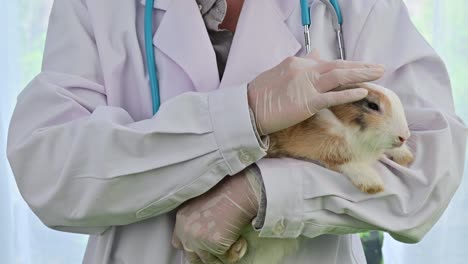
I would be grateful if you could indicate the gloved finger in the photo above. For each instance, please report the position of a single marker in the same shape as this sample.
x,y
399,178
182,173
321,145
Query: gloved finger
x,y
336,78
349,86
236,252
208,258
342,97
176,242
327,66
192,257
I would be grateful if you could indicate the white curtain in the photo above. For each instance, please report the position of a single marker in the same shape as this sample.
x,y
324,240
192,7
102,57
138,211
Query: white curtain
x,y
25,240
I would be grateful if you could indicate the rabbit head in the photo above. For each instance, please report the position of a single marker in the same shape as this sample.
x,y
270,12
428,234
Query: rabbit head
x,y
379,119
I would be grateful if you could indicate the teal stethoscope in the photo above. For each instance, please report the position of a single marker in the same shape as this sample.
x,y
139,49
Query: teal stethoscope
x,y
305,14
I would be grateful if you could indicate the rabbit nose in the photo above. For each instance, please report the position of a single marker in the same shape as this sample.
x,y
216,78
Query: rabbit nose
x,y
399,141
403,136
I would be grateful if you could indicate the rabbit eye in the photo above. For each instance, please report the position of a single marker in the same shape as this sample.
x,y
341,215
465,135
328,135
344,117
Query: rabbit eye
x,y
373,106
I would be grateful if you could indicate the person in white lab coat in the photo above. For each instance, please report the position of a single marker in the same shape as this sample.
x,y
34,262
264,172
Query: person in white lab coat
x,y
89,157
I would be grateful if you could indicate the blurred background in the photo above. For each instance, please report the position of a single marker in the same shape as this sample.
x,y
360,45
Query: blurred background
x,y
25,240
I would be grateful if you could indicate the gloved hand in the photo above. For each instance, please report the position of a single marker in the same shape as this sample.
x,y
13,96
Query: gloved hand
x,y
299,87
208,227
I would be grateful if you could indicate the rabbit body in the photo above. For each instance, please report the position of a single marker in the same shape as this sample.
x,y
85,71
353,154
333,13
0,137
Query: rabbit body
x,y
348,139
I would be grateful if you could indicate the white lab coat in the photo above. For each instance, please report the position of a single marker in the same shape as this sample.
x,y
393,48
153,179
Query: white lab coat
x,y
89,157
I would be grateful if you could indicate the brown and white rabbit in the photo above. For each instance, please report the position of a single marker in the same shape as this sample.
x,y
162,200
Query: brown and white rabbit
x,y
347,138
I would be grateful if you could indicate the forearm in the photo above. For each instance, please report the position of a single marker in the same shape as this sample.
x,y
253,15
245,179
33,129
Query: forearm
x,y
76,159
311,200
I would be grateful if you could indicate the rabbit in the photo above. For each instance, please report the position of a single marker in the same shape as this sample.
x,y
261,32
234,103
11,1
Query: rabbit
x,y
349,138
346,138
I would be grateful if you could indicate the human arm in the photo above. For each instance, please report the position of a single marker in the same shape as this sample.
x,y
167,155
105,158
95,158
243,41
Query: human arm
x,y
84,165
84,161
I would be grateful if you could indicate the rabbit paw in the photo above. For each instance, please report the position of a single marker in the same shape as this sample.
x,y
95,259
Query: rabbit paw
x,y
370,185
401,155
363,176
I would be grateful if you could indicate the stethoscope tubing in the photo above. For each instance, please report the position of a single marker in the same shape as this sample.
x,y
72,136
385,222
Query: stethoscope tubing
x,y
150,58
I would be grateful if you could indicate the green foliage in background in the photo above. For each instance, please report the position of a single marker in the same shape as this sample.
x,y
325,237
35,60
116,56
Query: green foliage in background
x,y
372,243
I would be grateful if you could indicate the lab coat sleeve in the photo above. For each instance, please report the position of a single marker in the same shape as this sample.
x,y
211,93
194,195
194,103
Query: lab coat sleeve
x,y
306,199
83,166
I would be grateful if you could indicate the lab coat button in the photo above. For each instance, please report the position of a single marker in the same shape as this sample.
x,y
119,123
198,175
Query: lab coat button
x,y
278,229
147,211
142,214
245,157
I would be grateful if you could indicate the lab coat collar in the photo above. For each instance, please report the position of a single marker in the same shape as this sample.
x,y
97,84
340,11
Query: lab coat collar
x,y
261,41
283,7
182,36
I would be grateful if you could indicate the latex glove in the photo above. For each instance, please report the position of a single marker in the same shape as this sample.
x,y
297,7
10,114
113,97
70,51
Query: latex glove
x,y
299,87
207,226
